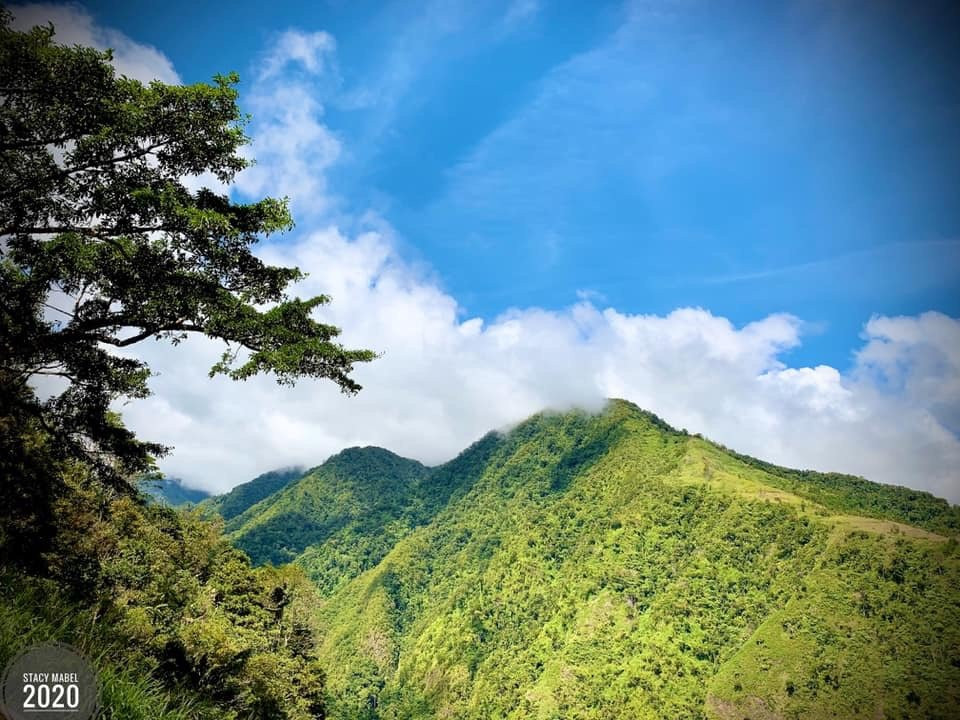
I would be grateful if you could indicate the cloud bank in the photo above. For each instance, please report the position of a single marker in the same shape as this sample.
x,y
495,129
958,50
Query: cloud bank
x,y
445,379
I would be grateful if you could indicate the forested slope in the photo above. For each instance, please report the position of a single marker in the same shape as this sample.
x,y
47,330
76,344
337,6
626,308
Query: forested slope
x,y
245,495
607,566
342,517
346,514
175,621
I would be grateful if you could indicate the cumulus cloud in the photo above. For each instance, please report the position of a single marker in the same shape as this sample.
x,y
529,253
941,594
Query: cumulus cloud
x,y
75,26
917,358
445,379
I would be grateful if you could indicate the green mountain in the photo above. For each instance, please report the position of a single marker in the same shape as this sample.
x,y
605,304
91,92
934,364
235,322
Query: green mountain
x,y
607,566
342,517
360,500
172,492
245,495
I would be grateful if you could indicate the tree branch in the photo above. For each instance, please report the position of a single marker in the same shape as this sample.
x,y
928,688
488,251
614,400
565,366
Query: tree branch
x,y
52,307
39,143
177,327
102,233
103,165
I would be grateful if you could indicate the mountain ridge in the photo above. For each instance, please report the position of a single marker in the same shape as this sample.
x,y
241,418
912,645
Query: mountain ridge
x,y
832,489
606,565
242,497
347,502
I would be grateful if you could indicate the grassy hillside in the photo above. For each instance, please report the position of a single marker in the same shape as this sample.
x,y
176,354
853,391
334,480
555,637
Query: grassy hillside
x,y
246,495
850,494
607,566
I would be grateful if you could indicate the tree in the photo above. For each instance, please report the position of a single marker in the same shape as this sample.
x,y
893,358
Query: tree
x,y
103,246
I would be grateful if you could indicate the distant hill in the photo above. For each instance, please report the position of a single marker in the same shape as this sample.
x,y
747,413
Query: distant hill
x,y
607,566
245,495
173,492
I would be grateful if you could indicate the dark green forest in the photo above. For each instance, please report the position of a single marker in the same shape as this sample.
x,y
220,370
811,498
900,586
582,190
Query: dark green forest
x,y
580,565
178,622
245,495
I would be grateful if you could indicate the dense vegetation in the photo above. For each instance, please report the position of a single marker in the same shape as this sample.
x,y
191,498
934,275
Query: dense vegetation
x,y
580,565
342,517
349,512
607,566
177,621
245,495
103,245
851,494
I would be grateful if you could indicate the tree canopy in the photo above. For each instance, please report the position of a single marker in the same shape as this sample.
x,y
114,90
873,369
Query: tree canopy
x,y
103,245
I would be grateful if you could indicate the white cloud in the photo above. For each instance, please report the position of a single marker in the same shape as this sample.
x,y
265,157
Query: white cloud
x,y
314,52
445,379
75,26
918,358
292,148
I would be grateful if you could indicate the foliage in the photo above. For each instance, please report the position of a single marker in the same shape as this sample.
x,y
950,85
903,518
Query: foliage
x,y
873,629
607,566
350,510
579,566
850,494
160,598
246,495
34,611
104,245
342,517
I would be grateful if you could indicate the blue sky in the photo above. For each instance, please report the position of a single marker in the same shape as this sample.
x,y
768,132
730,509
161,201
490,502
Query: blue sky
x,y
741,216
745,157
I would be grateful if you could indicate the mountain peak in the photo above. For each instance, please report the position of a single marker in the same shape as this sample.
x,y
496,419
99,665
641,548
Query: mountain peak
x,y
604,563
244,496
369,453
